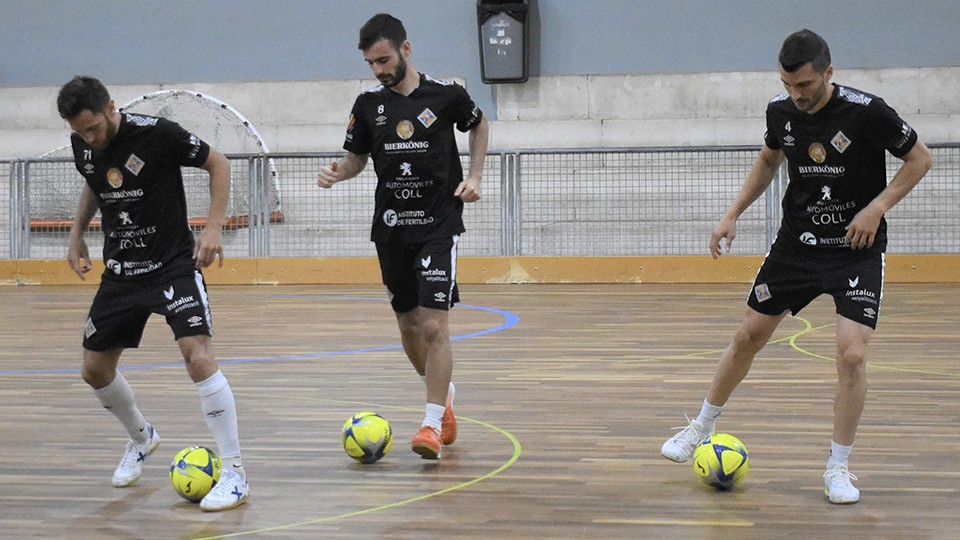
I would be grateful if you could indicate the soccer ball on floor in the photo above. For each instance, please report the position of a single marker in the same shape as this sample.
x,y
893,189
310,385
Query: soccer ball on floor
x,y
367,437
721,461
194,472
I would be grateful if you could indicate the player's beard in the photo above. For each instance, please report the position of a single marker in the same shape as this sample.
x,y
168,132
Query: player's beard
x,y
394,78
808,104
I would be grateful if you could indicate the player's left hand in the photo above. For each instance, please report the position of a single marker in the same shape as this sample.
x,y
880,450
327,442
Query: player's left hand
x,y
863,229
468,190
208,247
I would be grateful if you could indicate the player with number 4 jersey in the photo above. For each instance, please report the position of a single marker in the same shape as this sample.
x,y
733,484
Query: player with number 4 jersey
x,y
831,241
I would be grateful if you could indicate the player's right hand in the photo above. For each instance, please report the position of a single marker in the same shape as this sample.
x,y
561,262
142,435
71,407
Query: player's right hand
x,y
78,257
727,228
328,176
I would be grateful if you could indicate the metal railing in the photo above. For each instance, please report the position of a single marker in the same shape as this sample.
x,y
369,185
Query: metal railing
x,y
548,202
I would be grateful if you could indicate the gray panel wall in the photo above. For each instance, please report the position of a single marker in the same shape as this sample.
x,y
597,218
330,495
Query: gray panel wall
x,y
45,42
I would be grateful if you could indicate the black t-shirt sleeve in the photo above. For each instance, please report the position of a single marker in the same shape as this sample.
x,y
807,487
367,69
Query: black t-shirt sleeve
x,y
892,132
359,137
185,148
466,113
77,145
770,138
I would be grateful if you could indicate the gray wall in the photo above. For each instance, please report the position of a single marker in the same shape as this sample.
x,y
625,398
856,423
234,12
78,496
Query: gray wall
x,y
45,42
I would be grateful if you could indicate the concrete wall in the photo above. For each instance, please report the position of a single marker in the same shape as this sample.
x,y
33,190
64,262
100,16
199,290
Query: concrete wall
x,y
563,111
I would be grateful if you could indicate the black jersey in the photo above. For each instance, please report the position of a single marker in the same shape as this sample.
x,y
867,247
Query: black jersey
x,y
415,155
138,186
837,164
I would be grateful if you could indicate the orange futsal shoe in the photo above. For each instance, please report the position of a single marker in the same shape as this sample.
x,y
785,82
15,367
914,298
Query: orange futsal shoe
x,y
448,433
427,443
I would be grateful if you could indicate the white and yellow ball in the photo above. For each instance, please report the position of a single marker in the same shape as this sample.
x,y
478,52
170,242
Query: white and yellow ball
x,y
194,472
721,461
367,437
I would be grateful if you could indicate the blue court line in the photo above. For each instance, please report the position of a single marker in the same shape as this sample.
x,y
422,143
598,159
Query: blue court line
x,y
510,320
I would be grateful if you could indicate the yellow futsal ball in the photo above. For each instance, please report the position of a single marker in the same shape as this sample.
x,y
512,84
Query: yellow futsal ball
x,y
721,461
367,437
194,472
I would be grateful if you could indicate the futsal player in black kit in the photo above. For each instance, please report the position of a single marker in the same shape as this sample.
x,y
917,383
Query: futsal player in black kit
x,y
831,241
131,164
406,125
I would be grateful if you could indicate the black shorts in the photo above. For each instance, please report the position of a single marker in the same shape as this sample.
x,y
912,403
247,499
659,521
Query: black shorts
x,y
856,287
120,311
420,274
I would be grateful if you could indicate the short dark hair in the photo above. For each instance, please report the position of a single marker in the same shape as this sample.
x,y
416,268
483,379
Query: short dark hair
x,y
82,94
804,47
382,26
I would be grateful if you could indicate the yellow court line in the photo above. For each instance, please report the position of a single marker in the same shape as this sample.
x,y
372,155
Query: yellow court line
x,y
686,522
809,328
517,449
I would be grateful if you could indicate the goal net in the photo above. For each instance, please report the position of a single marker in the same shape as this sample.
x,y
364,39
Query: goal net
x,y
54,194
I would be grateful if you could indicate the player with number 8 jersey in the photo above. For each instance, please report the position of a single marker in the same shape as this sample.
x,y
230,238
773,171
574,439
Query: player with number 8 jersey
x,y
414,151
406,125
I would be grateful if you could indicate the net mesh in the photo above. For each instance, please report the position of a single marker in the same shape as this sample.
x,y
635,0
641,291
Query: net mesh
x,y
53,199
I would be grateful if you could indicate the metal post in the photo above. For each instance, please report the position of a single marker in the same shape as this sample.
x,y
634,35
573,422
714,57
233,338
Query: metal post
x,y
517,205
262,210
505,202
252,226
24,218
13,207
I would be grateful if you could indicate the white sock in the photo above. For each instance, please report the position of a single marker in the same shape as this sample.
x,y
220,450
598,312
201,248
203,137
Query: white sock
x,y
434,416
452,390
220,414
708,416
839,454
117,397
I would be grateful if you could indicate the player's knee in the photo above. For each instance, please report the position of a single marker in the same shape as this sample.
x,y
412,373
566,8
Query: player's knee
x,y
749,340
851,359
434,330
96,377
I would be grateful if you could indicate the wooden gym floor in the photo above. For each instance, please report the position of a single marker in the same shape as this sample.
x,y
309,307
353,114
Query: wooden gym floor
x,y
565,393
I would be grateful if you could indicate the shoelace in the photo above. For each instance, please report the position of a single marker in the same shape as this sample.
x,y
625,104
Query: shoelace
x,y
837,472
684,426
131,454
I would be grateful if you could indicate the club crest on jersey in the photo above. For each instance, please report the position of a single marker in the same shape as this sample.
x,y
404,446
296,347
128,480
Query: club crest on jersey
x,y
114,177
427,118
817,152
134,164
840,142
405,129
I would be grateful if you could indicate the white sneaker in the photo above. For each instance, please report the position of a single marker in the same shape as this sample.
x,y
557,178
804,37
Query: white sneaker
x,y
681,446
837,486
231,491
131,464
